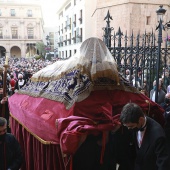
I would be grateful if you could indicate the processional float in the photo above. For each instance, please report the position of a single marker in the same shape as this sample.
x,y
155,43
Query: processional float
x,y
53,114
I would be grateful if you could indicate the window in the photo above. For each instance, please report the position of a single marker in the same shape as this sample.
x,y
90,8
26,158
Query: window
x,y
66,54
59,30
60,15
30,32
80,19
148,20
81,33
65,40
29,13
69,39
62,29
1,33
70,53
14,31
61,41
12,12
74,40
65,26
69,23
74,22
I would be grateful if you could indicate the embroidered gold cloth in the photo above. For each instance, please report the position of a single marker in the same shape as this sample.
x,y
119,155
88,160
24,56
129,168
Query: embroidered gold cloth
x,y
91,68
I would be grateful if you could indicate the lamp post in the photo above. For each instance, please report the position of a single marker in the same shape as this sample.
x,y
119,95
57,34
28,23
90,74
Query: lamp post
x,y
160,13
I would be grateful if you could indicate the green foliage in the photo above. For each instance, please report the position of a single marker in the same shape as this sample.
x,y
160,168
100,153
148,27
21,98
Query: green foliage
x,y
38,57
41,48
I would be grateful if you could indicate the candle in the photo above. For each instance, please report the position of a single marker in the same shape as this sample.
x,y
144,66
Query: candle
x,y
6,60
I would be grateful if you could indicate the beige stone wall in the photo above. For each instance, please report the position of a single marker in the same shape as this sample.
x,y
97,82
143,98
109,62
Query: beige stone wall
x,y
130,15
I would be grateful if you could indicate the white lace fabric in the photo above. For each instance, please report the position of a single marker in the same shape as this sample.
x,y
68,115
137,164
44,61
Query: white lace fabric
x,y
93,58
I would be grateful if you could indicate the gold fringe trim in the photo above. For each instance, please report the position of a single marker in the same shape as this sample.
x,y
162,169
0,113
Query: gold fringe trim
x,y
37,137
53,77
108,73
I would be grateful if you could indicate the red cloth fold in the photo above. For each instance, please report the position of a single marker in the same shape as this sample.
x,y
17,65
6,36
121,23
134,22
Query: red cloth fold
x,y
92,115
73,130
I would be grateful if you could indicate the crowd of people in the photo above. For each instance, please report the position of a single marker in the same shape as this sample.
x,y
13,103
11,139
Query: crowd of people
x,y
20,71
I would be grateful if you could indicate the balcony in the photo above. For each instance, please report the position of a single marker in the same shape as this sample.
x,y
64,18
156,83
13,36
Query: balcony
x,y
12,15
80,19
14,36
30,37
19,37
79,37
69,26
69,41
74,22
65,41
74,39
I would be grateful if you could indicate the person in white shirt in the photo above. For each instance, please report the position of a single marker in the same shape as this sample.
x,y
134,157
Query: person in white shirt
x,y
161,93
149,139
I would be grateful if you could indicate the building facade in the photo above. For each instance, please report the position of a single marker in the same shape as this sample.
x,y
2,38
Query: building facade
x,y
81,19
75,24
131,15
51,41
21,26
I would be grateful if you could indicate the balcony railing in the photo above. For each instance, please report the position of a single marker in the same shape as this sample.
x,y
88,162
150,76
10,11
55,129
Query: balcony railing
x,y
69,26
74,39
29,15
80,19
74,22
30,37
18,37
79,37
65,41
14,36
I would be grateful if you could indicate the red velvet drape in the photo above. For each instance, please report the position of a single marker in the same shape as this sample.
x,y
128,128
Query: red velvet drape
x,y
38,156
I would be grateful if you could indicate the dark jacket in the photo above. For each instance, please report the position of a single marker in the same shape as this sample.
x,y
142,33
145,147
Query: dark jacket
x,y
152,155
12,152
161,95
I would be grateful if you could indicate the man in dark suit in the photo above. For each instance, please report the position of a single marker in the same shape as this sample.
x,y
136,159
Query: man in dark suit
x,y
11,157
149,139
161,93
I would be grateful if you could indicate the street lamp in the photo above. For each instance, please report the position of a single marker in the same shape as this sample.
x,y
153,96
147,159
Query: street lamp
x,y
160,14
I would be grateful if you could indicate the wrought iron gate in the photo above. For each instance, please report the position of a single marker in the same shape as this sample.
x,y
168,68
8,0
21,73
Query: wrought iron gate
x,y
138,54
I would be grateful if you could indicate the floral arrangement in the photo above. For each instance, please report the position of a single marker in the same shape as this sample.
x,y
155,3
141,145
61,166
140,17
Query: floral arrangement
x,y
167,38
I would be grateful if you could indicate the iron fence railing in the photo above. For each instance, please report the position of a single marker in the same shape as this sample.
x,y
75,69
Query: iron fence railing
x,y
137,56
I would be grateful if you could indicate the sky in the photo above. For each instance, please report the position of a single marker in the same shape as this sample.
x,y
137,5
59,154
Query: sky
x,y
49,8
